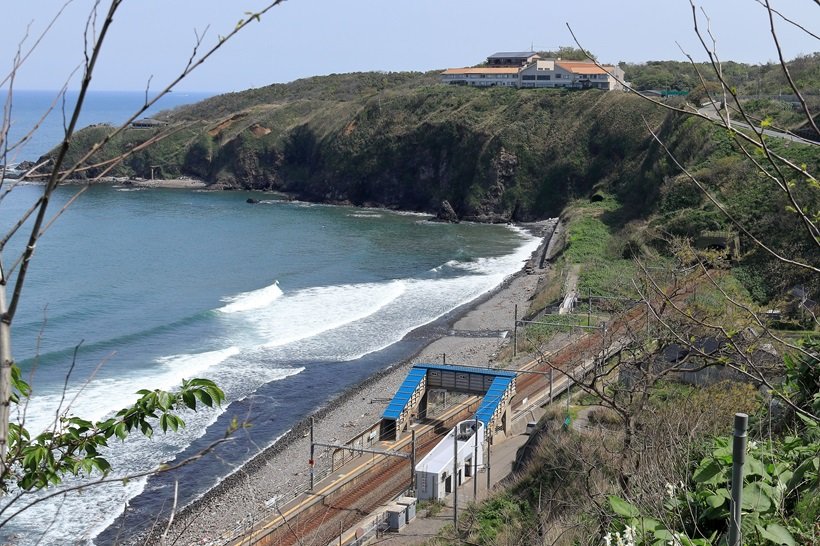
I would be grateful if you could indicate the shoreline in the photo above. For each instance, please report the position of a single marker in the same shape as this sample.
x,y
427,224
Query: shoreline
x,y
276,471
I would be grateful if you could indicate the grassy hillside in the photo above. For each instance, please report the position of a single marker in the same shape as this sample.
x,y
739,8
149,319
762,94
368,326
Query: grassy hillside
x,y
399,141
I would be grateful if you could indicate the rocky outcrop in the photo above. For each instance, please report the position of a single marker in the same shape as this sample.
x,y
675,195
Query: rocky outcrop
x,y
492,208
446,213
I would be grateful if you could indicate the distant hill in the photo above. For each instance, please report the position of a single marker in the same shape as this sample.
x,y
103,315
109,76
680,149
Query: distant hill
x,y
404,141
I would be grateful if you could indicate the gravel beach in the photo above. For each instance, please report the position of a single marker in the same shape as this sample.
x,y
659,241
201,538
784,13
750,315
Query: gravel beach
x,y
280,471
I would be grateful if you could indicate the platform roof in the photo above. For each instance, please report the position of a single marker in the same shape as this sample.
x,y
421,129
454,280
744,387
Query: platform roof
x,y
466,369
418,372
492,398
405,392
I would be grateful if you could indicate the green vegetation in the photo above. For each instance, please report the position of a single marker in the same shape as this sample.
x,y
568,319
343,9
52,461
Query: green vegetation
x,y
750,80
73,445
398,141
604,260
781,504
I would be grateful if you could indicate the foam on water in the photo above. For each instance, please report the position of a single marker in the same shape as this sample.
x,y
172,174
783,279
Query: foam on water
x,y
307,313
98,398
82,516
421,301
255,299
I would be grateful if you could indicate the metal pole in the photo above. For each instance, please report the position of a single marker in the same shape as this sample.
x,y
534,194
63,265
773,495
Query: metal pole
x,y
569,389
489,443
475,463
340,532
413,460
444,358
648,306
310,462
455,478
589,304
551,370
515,331
738,458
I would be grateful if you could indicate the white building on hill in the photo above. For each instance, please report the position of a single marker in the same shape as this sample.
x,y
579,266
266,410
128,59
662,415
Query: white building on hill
x,y
527,69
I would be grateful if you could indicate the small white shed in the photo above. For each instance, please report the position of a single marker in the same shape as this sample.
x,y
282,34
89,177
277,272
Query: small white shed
x,y
396,516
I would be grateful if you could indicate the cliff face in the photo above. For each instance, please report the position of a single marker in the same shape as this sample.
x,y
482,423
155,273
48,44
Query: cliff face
x,y
493,154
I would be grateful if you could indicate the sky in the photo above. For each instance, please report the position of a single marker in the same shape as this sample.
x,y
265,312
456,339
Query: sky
x,y
151,40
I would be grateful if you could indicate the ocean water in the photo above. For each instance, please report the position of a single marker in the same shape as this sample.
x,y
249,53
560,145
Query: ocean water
x,y
283,304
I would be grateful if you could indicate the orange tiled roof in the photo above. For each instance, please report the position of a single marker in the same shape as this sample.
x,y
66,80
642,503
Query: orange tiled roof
x,y
580,67
485,70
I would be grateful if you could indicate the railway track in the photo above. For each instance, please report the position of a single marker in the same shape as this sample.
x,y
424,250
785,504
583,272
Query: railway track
x,y
317,517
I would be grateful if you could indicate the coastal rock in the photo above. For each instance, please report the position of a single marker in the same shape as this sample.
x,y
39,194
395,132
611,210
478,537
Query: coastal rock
x,y
446,213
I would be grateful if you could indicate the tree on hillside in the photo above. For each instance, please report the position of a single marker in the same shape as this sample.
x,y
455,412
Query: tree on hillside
x,y
784,182
38,460
693,318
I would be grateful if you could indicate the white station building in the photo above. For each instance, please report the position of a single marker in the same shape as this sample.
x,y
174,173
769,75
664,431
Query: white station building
x,y
436,474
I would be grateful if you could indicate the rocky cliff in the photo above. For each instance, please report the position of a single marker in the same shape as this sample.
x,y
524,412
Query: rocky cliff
x,y
402,141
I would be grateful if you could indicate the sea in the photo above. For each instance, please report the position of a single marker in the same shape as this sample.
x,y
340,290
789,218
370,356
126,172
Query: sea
x,y
283,304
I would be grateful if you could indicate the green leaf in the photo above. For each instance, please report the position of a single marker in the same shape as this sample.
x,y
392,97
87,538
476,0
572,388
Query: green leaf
x,y
204,397
756,498
709,473
622,507
189,399
797,478
756,468
715,501
648,524
777,534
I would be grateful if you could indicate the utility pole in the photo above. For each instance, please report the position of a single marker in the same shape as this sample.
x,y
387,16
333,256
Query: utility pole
x,y
489,443
475,463
551,397
310,462
515,331
455,478
413,460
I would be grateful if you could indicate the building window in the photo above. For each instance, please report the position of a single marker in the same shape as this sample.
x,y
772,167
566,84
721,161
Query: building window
x,y
558,76
527,78
544,77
